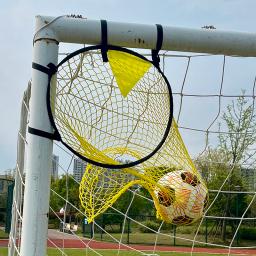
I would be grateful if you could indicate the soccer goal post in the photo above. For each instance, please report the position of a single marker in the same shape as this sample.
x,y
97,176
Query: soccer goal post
x,y
50,32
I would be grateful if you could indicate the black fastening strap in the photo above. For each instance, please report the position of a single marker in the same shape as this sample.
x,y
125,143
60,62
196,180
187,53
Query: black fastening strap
x,y
104,40
159,42
51,136
49,70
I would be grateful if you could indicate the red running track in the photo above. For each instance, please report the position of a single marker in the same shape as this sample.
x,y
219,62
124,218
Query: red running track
x,y
71,243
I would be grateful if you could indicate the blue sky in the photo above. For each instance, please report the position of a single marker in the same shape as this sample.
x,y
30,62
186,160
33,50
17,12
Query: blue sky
x,y
17,29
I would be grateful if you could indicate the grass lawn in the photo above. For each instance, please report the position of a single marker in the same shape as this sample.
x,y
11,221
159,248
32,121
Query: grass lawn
x,y
78,252
3,235
150,238
166,239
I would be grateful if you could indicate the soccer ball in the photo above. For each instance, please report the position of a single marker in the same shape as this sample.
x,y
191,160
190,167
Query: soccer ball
x,y
182,197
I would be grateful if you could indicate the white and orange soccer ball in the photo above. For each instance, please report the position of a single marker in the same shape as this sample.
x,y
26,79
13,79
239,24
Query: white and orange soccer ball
x,y
183,197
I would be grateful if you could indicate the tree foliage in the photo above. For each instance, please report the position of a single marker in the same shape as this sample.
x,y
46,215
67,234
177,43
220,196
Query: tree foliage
x,y
225,162
240,121
215,168
136,206
71,194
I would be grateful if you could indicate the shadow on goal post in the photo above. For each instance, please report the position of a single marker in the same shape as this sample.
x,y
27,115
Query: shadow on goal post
x,y
50,32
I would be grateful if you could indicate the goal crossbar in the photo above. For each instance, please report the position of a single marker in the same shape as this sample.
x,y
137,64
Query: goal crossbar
x,y
85,31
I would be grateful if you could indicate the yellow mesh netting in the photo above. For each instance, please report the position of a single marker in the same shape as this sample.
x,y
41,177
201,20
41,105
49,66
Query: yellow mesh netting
x,y
114,118
118,104
177,189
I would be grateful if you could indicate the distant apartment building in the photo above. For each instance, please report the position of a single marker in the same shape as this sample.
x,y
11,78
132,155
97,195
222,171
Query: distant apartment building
x,y
78,169
249,177
55,167
6,190
5,181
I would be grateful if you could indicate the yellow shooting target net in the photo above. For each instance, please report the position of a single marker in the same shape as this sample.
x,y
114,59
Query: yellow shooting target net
x,y
123,103
117,115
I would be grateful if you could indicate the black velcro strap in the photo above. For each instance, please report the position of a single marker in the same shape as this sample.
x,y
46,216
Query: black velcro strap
x,y
159,42
49,70
51,136
104,40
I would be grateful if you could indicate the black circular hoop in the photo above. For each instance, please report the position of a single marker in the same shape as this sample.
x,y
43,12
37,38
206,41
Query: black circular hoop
x,y
104,165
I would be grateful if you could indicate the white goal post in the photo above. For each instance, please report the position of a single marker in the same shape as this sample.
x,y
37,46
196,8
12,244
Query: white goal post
x,y
50,32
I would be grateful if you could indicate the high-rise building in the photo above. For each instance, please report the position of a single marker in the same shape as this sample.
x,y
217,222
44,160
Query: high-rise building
x,y
78,169
5,181
55,166
249,177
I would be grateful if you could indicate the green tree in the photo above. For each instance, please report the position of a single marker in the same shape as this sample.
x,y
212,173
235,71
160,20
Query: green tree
x,y
240,121
215,169
227,159
138,207
60,187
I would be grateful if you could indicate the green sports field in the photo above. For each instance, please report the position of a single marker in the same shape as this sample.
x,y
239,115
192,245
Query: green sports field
x,y
78,252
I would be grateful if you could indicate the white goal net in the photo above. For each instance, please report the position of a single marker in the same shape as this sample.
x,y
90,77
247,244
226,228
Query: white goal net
x,y
214,98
